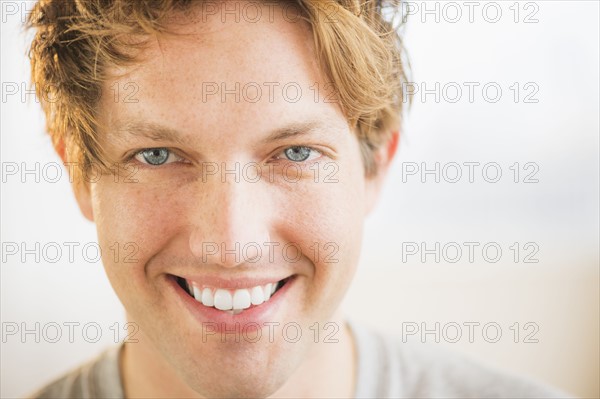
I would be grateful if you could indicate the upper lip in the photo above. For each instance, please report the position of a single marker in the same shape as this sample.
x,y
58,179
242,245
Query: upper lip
x,y
231,283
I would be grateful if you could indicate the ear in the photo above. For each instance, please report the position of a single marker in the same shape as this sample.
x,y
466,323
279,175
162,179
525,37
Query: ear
x,y
81,189
383,159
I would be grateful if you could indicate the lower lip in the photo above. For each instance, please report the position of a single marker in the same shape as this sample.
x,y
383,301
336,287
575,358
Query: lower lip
x,y
250,319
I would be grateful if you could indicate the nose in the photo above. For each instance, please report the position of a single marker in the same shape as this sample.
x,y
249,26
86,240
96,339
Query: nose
x,y
231,223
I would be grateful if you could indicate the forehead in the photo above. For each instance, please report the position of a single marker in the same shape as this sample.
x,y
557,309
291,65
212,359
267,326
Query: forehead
x,y
219,72
226,47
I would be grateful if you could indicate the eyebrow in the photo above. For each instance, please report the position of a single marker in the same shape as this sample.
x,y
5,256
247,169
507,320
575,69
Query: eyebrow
x,y
158,132
295,129
153,131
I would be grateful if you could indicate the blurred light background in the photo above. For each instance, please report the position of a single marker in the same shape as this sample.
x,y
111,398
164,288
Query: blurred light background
x,y
546,52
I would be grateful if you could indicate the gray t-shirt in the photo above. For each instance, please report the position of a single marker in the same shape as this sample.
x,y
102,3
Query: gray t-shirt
x,y
386,369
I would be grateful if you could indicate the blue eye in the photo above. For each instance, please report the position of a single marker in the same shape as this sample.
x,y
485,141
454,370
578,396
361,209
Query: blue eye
x,y
155,156
298,153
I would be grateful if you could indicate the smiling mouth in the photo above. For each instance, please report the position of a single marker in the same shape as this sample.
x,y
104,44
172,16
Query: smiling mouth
x,y
231,301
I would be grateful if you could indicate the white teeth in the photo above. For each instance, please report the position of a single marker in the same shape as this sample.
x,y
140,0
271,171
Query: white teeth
x,y
223,300
257,295
241,299
207,297
196,291
232,301
268,291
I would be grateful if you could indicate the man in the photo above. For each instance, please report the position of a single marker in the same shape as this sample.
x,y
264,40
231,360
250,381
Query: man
x,y
236,148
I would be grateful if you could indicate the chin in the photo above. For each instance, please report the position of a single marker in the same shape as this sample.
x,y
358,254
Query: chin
x,y
236,370
235,390
241,382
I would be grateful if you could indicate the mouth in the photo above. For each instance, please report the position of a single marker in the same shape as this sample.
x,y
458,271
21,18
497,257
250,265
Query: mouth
x,y
231,301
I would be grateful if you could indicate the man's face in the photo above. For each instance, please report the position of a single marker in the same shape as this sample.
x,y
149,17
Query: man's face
x,y
225,97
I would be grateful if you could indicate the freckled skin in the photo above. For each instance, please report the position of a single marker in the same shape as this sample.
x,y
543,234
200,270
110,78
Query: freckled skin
x,y
170,211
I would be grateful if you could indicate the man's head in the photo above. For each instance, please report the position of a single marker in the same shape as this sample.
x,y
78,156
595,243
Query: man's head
x,y
256,145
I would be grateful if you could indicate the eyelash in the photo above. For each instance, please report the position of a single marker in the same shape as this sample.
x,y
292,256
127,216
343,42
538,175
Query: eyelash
x,y
138,155
306,161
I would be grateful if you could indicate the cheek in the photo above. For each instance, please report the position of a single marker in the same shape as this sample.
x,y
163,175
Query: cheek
x,y
137,216
326,220
321,206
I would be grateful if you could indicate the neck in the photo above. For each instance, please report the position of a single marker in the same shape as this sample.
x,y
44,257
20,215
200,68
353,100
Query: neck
x,y
328,370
